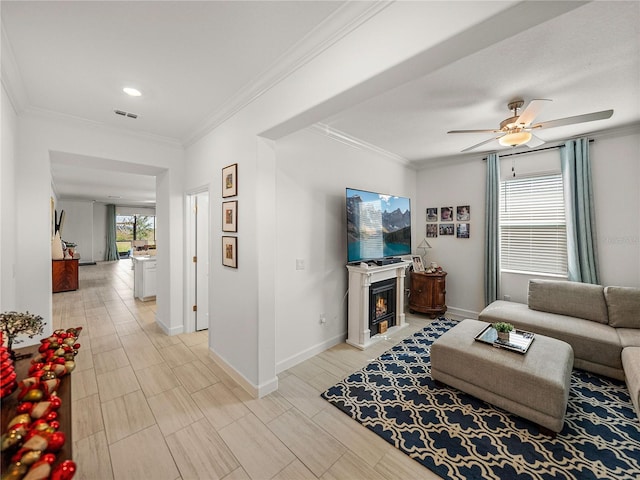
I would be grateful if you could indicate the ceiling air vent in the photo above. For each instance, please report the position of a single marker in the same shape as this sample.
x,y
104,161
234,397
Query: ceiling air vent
x,y
126,114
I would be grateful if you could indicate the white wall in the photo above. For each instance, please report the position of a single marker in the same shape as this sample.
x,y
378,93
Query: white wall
x,y
312,174
451,185
615,160
78,226
8,226
616,189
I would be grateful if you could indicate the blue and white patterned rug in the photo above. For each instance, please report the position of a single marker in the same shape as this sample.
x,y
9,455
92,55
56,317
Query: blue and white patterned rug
x,y
458,436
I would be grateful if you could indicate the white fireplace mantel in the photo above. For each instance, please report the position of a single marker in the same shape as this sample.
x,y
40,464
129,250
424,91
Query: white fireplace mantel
x,y
361,277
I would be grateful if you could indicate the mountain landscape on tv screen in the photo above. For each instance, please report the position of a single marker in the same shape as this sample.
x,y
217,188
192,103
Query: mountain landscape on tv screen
x,y
396,220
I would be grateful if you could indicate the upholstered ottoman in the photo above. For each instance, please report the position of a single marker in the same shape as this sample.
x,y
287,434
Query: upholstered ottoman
x,y
534,385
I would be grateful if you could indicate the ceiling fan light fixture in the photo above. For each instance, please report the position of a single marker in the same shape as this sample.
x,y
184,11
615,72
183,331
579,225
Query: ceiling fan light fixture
x,y
514,139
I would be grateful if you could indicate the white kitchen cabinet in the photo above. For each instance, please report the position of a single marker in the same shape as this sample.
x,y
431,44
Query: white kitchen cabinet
x,y
144,277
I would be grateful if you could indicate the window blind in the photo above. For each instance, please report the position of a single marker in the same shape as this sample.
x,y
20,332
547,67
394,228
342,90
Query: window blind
x,y
532,225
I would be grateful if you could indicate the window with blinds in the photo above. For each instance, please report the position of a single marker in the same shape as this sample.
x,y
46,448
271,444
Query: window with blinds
x,y
533,234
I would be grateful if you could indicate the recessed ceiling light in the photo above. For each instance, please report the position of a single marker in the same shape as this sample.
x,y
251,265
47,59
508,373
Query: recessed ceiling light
x,y
133,92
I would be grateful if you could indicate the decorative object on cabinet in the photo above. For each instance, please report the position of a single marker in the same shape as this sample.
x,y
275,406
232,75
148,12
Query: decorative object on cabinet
x,y
230,252
418,266
13,324
57,252
427,293
424,246
230,181
64,275
230,216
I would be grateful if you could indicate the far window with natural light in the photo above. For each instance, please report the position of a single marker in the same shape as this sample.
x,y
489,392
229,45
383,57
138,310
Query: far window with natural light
x,y
532,225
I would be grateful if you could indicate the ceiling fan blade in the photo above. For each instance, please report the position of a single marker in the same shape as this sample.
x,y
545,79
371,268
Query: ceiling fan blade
x,y
535,142
474,131
532,111
587,117
480,144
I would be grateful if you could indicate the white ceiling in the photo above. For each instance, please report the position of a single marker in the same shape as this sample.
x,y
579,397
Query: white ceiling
x,y
192,60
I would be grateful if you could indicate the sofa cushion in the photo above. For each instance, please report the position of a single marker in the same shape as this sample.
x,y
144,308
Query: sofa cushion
x,y
573,299
629,337
592,341
623,304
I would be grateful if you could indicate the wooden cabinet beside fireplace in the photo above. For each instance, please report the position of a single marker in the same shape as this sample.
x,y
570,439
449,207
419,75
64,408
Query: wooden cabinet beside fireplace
x,y
427,293
64,275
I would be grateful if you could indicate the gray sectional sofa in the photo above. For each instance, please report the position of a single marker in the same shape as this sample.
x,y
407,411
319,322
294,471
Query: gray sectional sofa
x,y
602,325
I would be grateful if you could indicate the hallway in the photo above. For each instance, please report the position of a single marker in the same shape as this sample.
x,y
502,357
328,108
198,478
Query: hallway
x,y
147,405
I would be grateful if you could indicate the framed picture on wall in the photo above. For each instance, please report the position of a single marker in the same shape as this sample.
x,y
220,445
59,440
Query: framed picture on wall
x,y
230,216
463,230
230,252
432,214
230,181
432,231
463,213
447,229
446,214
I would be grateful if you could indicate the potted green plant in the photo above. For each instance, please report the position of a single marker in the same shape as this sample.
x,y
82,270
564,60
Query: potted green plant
x,y
13,324
503,329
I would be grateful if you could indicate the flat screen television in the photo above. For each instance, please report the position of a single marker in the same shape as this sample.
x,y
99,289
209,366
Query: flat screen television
x,y
378,225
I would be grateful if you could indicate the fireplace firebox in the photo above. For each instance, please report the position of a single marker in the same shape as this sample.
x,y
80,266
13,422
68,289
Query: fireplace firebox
x,y
382,306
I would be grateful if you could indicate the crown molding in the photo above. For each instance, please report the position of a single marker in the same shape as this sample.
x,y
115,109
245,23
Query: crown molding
x,y
42,113
339,136
335,27
10,75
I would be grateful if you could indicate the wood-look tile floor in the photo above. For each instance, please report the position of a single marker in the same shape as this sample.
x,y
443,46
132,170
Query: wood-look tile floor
x,y
150,406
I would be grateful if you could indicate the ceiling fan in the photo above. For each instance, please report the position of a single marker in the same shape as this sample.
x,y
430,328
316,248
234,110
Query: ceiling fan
x,y
516,130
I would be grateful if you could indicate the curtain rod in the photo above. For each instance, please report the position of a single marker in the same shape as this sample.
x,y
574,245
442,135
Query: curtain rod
x,y
591,140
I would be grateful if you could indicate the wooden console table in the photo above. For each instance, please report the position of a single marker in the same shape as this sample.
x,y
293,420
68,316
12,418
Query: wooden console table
x,y
64,275
10,403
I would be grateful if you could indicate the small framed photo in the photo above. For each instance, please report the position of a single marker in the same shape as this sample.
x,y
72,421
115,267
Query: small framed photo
x,y
447,229
418,266
230,216
432,214
230,181
463,230
446,214
230,252
463,213
432,231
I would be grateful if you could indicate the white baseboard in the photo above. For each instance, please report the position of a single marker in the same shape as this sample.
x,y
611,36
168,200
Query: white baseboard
x,y
309,352
256,391
177,330
460,313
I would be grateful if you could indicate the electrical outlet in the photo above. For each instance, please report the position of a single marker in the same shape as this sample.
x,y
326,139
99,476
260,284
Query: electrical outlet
x,y
323,319
507,298
299,264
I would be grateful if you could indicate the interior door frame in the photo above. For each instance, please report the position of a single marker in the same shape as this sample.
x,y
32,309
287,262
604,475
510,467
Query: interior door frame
x,y
189,266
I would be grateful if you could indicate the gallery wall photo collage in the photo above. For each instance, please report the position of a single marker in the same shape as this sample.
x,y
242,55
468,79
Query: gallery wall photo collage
x,y
449,221
230,216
